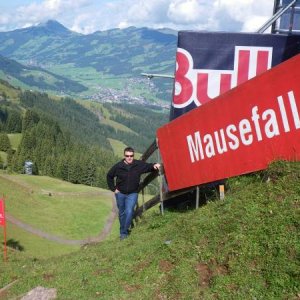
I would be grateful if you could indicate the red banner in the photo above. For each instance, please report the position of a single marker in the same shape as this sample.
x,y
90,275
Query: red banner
x,y
2,213
239,132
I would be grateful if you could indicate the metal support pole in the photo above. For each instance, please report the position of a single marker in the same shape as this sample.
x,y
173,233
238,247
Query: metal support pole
x,y
292,19
279,13
197,196
143,200
160,182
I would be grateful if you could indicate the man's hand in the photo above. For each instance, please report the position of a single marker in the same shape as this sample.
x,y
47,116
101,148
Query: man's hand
x,y
117,191
156,166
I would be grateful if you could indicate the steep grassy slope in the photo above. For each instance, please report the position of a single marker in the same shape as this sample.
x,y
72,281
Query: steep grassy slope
x,y
245,247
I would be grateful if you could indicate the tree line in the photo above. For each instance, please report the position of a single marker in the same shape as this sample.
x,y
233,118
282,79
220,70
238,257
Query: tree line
x,y
51,150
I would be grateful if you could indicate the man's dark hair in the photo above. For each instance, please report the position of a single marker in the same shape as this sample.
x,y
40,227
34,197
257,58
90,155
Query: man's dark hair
x,y
128,149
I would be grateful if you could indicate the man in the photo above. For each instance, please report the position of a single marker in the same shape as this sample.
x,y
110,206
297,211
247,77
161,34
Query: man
x,y
127,173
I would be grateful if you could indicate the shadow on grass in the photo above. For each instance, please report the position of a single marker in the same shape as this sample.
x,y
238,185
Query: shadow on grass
x,y
15,245
187,201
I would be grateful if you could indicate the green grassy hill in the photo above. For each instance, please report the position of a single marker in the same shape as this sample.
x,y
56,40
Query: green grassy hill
x,y
245,247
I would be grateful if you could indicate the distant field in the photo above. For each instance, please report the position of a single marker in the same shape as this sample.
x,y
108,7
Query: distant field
x,y
104,115
117,125
56,207
87,76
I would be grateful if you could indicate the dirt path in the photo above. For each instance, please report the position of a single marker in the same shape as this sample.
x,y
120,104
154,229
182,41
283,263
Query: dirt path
x,y
102,235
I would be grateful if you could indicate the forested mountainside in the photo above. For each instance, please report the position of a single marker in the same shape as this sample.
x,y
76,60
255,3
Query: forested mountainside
x,y
65,139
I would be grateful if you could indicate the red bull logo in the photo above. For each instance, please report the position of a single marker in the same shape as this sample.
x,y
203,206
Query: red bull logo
x,y
202,85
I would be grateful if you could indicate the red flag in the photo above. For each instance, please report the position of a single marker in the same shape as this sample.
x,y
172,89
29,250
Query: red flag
x,y
2,213
2,223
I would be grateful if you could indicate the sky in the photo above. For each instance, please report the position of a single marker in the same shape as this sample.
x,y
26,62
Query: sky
x,y
88,16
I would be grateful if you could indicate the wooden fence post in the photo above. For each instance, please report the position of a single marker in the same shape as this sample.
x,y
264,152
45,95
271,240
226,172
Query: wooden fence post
x,y
222,192
160,181
143,199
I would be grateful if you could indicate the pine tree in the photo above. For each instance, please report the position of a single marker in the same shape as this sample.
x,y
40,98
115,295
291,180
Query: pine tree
x,y
14,122
4,142
3,118
10,155
75,170
48,167
62,168
30,119
89,171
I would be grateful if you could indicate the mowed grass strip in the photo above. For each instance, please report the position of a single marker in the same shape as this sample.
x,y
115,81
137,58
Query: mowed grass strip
x,y
117,126
56,207
118,147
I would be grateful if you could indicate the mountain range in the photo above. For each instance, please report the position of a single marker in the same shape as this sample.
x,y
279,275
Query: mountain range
x,y
104,66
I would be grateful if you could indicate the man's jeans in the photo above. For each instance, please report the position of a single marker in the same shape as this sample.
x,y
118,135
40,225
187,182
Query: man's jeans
x,y
126,204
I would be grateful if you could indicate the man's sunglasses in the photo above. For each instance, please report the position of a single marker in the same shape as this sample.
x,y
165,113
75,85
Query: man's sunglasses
x,y
129,155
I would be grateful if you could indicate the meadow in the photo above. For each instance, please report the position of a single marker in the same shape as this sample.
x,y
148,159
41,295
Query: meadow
x,y
69,211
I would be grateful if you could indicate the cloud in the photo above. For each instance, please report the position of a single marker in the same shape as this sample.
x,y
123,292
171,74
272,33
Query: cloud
x,y
81,24
147,11
187,11
226,15
87,16
252,14
177,14
35,12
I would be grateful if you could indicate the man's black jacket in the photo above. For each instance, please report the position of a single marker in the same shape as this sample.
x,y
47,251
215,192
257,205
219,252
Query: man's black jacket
x,y
127,175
